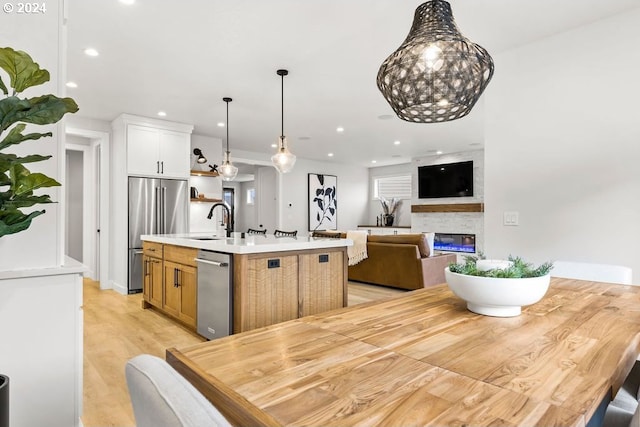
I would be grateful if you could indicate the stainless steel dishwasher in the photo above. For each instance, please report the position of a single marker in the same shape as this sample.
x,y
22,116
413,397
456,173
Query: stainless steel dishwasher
x,y
215,295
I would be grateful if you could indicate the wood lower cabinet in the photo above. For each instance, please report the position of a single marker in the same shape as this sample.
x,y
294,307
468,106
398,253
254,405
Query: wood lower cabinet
x,y
170,282
180,282
276,287
152,273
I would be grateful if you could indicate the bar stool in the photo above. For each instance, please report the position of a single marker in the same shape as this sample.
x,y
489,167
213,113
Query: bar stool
x,y
254,231
280,233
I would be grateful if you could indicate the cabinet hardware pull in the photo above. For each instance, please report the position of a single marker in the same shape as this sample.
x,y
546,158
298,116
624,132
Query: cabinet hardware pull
x,y
162,167
157,167
175,277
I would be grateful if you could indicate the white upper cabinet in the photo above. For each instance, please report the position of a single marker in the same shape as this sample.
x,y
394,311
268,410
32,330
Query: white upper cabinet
x,y
157,152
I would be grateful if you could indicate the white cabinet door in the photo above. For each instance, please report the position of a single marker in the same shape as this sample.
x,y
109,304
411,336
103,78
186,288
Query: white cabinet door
x,y
174,154
157,152
142,151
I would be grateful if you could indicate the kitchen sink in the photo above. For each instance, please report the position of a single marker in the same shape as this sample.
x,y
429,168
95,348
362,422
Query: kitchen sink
x,y
207,238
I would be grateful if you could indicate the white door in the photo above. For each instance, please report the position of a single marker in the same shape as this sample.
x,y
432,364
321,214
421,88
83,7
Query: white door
x,y
266,198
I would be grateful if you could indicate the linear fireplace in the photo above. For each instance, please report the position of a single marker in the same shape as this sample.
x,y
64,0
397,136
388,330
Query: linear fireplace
x,y
455,242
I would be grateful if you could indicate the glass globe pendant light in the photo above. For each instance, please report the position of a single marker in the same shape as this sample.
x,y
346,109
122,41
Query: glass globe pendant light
x,y
227,170
437,74
284,159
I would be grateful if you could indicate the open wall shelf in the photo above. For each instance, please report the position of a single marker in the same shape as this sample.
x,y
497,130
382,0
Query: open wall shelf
x,y
205,200
204,173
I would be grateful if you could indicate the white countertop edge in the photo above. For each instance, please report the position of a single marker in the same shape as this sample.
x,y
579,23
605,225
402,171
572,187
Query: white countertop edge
x,y
70,266
250,244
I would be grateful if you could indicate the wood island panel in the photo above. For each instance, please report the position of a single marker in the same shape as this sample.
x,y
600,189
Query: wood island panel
x,y
181,254
423,359
262,295
322,283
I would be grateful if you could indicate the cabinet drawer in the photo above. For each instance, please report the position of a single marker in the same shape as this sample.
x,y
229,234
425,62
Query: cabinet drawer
x,y
180,254
152,249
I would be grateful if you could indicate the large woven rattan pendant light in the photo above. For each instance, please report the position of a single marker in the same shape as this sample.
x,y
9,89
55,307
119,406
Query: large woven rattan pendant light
x,y
227,170
284,159
437,74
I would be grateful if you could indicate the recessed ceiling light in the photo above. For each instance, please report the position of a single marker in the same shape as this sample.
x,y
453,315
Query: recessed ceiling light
x,y
91,52
396,156
304,138
220,124
438,152
396,142
330,154
475,144
339,129
274,145
385,117
127,2
374,161
72,84
162,114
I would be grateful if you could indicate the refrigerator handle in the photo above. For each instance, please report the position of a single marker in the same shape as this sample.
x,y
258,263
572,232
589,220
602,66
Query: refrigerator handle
x,y
164,210
157,215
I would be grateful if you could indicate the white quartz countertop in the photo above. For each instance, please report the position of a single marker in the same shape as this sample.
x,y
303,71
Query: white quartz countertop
x,y
250,244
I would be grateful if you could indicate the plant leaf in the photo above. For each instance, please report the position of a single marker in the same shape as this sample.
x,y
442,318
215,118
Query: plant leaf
x,y
15,136
23,72
24,182
332,211
42,110
327,192
320,204
3,87
318,217
318,191
15,221
321,179
27,201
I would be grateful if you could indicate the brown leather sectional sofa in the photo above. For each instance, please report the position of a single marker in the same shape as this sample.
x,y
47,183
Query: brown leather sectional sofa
x,y
400,261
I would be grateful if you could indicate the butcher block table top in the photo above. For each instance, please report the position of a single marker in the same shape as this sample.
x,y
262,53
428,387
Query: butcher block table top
x,y
422,359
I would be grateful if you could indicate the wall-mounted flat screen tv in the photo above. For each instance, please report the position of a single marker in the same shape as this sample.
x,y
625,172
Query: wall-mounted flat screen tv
x,y
445,180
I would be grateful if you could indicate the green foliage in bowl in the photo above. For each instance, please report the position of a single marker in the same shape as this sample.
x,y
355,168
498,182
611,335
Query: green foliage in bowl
x,y
520,269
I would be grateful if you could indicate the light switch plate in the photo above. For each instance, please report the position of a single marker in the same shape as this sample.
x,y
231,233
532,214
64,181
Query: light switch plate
x,y
510,218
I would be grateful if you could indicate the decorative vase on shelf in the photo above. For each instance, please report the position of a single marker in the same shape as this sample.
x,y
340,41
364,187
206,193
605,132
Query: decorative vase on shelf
x,y
388,220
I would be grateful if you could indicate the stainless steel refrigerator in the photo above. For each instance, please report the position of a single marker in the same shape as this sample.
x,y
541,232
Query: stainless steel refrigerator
x,y
156,206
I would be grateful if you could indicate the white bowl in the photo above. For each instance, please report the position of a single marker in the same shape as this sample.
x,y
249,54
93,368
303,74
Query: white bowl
x,y
499,297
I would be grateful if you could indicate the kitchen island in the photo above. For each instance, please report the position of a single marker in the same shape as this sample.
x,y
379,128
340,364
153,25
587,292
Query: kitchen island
x,y
269,279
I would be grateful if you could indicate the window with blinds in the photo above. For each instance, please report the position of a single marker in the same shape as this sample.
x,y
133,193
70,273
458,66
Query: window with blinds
x,y
392,186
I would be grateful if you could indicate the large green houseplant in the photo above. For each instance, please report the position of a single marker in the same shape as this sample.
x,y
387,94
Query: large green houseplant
x,y
17,183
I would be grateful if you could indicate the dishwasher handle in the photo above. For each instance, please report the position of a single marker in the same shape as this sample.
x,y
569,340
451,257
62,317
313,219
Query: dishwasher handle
x,y
216,263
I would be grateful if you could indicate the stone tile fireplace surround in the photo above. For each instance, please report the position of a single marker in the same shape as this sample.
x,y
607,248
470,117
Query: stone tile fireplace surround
x,y
451,222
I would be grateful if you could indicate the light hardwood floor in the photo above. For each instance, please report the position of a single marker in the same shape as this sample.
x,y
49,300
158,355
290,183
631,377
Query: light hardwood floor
x,y
116,328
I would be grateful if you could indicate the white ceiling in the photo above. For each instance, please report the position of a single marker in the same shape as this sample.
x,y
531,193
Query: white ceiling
x,y
182,57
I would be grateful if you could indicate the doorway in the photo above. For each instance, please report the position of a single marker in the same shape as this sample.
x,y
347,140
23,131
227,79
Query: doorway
x,y
95,200
229,196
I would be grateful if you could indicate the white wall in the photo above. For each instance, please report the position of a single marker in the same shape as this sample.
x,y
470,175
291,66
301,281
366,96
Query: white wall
x,y
563,146
293,210
352,195
44,238
403,216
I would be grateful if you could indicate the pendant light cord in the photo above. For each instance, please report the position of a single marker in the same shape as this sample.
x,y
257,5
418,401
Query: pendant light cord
x,y
227,130
282,107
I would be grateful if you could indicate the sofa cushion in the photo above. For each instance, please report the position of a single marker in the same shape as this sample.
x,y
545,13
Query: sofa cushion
x,y
419,240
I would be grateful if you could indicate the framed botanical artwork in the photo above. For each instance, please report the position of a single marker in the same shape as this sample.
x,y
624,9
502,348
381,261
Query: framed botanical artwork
x,y
323,207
